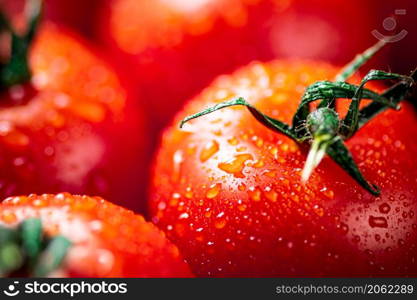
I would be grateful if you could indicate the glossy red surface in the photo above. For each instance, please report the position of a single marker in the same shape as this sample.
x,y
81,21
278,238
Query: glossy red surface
x,y
228,192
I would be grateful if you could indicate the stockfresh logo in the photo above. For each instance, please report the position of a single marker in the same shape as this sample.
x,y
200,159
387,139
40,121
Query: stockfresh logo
x,y
65,288
390,24
12,289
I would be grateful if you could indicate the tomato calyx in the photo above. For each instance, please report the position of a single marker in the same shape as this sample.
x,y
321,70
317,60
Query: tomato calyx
x,y
25,250
16,69
322,128
323,125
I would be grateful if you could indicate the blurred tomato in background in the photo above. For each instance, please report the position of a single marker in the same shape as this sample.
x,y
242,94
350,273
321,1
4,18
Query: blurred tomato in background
x,y
77,14
73,126
170,49
174,48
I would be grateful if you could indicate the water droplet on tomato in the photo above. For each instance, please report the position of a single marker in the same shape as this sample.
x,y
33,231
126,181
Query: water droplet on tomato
x,y
241,149
274,152
327,193
254,193
217,132
213,190
258,164
258,141
384,208
183,216
242,207
318,210
5,127
344,228
177,159
242,187
233,141
188,193
174,199
380,222
220,221
270,173
49,151
235,166
284,147
162,205
207,213
271,195
209,150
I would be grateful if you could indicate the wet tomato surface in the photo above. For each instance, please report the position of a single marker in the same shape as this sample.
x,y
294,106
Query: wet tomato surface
x,y
105,240
69,128
228,192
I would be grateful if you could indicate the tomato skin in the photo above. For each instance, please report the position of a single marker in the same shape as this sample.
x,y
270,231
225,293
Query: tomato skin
x,y
72,132
106,240
228,192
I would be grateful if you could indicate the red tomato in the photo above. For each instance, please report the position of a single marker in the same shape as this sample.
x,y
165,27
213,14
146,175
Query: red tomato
x,y
176,47
72,128
227,190
100,239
